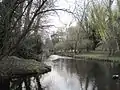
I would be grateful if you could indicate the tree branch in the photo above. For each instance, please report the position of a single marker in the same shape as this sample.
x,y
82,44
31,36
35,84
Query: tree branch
x,y
27,30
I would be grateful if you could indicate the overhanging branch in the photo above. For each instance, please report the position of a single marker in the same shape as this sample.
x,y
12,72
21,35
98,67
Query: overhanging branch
x,y
53,10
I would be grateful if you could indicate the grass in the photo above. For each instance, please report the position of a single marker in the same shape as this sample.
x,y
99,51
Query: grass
x,y
95,55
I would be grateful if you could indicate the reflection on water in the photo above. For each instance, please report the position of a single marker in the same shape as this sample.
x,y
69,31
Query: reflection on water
x,y
68,74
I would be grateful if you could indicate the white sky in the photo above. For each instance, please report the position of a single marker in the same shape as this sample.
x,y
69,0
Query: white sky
x,y
64,17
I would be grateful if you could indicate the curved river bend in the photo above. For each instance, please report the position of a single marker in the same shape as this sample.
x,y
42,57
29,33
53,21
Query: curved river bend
x,y
69,74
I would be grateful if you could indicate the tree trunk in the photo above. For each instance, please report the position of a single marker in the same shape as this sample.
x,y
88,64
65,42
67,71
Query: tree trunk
x,y
75,50
87,83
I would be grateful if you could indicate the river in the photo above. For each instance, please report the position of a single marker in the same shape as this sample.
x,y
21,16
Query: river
x,y
72,74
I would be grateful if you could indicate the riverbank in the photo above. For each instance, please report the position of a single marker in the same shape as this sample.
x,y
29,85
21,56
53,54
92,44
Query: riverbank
x,y
94,55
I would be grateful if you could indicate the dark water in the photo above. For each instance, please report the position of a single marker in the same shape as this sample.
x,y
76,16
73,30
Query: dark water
x,y
69,74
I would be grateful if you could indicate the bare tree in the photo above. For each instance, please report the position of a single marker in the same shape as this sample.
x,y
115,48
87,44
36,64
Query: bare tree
x,y
20,18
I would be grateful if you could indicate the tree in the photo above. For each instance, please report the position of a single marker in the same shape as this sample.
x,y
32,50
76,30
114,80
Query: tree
x,y
99,20
104,21
19,19
30,48
21,22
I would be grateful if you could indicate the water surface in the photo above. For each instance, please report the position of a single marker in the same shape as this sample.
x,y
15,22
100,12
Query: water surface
x,y
71,74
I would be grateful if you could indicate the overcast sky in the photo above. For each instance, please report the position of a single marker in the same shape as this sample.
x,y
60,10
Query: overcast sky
x,y
64,17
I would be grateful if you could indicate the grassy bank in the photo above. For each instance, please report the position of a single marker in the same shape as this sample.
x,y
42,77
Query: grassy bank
x,y
94,55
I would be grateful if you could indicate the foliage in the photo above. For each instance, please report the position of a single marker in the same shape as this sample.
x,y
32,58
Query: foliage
x,y
31,46
98,22
73,39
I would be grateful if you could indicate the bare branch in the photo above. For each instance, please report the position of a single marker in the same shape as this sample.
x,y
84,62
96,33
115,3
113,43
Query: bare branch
x,y
14,25
27,30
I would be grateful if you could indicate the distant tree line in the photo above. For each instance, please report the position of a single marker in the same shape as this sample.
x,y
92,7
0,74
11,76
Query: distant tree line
x,y
98,27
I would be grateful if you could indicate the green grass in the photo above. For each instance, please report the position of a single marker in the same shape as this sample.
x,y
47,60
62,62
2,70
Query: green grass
x,y
98,56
